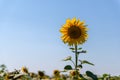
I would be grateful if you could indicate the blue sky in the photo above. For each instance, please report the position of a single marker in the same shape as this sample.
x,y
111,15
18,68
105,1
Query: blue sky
x,y
29,34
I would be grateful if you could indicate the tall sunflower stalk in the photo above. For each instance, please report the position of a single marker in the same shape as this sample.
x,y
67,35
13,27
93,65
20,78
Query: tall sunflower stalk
x,y
76,61
74,33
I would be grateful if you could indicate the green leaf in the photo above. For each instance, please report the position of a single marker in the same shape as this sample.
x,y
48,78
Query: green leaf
x,y
82,77
72,48
86,62
83,51
2,66
105,75
68,67
67,58
79,48
80,66
90,74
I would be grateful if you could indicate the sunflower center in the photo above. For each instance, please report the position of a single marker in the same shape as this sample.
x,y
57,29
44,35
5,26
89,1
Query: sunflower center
x,y
74,32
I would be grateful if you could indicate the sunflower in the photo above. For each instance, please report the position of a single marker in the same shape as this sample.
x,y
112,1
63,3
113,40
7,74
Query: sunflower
x,y
24,69
73,72
74,32
41,74
56,73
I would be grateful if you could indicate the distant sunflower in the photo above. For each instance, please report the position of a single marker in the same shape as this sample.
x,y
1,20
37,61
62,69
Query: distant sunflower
x,y
24,69
72,73
74,32
41,74
56,73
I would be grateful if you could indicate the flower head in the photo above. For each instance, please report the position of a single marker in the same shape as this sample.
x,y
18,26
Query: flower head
x,y
72,73
74,32
24,70
56,73
41,74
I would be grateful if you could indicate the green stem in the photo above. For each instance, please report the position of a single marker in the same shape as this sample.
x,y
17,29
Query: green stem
x,y
76,61
76,57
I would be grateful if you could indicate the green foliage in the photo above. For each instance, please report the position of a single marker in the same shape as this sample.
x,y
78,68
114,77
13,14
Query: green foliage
x,y
82,77
83,51
67,58
105,75
80,66
68,67
86,62
2,68
72,48
90,74
77,51
15,75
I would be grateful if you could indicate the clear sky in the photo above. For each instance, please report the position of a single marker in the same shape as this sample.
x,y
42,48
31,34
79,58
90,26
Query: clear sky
x,y
29,34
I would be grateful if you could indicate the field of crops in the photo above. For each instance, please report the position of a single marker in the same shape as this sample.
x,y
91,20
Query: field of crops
x,y
24,74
